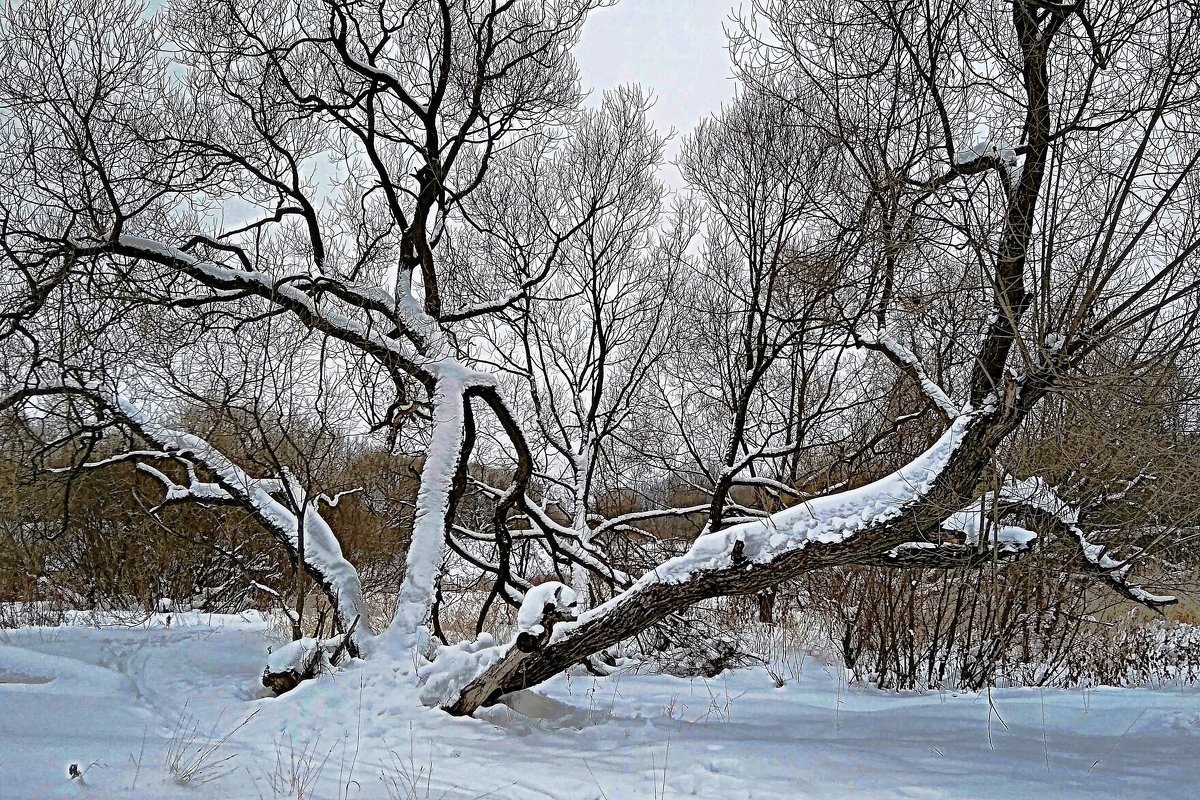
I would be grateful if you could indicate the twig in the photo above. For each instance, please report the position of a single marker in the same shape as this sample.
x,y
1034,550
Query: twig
x,y
1118,741
597,782
1045,744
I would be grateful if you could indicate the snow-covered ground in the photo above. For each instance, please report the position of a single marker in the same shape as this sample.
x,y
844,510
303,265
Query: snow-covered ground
x,y
123,703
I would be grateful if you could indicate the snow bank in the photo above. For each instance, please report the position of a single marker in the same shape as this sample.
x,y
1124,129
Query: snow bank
x,y
32,671
250,620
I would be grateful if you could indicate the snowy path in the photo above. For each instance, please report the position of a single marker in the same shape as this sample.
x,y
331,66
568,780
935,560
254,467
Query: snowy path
x,y
92,696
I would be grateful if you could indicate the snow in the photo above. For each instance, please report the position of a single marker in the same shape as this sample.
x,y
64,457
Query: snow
x,y
156,248
896,551
1002,150
115,698
910,362
293,656
581,462
976,523
40,673
426,551
1039,494
287,293
455,666
550,595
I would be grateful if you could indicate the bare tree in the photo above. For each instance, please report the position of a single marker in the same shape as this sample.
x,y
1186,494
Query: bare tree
x,y
1050,279
411,108
990,200
580,351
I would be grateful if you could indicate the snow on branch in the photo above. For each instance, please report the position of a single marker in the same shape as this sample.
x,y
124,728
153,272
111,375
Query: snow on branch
x,y
1038,500
883,342
466,676
626,521
839,528
197,490
434,364
306,658
827,520
322,555
298,294
736,559
333,500
977,534
566,540
427,547
986,150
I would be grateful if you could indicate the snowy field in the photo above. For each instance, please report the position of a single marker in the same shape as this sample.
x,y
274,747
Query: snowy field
x,y
144,713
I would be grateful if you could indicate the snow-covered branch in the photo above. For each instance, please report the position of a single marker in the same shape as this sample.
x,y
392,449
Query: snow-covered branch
x,y
425,551
1036,516
287,522
907,361
752,556
1041,504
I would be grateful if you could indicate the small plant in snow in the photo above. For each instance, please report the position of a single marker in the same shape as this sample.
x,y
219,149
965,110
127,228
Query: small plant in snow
x,y
297,771
407,779
194,757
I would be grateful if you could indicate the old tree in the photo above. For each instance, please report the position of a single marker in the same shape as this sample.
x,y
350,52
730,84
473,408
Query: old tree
x,y
917,225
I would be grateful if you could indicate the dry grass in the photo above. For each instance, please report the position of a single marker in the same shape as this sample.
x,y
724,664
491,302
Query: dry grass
x,y
194,756
407,777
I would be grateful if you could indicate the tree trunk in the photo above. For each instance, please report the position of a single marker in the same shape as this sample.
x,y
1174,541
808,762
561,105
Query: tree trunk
x,y
652,598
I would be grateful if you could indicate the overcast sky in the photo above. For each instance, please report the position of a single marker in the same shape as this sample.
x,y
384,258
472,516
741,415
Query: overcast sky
x,y
674,47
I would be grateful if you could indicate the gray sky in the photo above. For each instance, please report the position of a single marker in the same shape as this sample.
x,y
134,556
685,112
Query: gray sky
x,y
674,47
